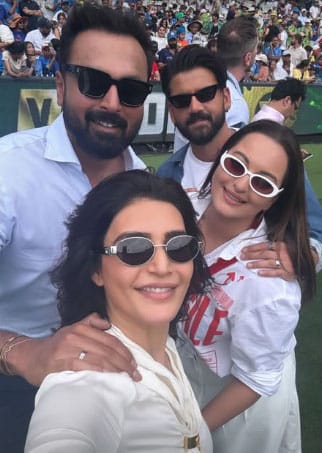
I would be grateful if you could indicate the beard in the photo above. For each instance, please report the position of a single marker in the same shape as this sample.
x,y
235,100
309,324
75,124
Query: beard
x,y
204,134
100,144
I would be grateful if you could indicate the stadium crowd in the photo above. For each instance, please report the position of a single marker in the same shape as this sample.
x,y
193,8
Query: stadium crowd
x,y
290,33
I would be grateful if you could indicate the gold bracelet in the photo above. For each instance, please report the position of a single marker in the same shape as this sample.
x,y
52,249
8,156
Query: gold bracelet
x,y
5,349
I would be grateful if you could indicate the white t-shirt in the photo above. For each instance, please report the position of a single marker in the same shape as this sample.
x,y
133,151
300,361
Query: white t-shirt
x,y
195,172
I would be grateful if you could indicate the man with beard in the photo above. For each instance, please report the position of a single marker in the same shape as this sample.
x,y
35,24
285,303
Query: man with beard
x,y
44,174
195,86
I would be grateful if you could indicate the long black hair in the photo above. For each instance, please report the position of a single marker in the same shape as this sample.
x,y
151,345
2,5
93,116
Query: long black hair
x,y
78,295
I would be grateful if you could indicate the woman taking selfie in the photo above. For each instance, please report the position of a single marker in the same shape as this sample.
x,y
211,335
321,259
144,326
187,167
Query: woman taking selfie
x,y
133,256
244,328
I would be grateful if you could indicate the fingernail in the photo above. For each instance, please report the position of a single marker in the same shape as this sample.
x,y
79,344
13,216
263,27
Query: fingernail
x,y
136,376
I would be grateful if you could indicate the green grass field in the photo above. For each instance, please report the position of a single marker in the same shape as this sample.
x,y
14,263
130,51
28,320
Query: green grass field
x,y
309,330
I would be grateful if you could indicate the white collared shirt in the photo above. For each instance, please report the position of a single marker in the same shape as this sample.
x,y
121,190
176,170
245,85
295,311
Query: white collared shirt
x,y
41,182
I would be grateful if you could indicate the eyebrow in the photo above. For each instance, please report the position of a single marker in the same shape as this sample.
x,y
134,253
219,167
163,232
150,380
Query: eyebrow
x,y
264,173
130,234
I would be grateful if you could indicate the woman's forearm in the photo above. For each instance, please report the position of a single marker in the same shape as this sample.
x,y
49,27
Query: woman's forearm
x,y
234,399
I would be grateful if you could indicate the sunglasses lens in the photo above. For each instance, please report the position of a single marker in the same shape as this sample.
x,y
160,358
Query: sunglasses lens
x,y
182,248
135,251
233,167
93,83
133,92
206,94
261,185
181,100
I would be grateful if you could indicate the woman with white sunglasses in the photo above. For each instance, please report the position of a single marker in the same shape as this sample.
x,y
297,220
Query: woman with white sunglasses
x,y
133,256
244,328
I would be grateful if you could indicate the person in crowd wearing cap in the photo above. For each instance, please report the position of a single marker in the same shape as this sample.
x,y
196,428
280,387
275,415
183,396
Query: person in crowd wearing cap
x,y
102,110
181,37
31,10
284,67
40,35
194,36
14,60
165,55
262,74
285,100
18,26
236,45
297,51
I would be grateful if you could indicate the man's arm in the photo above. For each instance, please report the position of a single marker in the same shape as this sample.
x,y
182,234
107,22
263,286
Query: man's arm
x,y
34,358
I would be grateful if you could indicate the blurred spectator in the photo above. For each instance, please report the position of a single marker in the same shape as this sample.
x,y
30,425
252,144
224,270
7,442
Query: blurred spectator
x,y
181,37
272,64
286,99
47,58
14,61
167,54
161,37
58,26
273,49
194,34
237,45
64,8
302,72
41,35
317,67
297,51
263,73
31,10
18,25
32,59
6,36
7,9
155,74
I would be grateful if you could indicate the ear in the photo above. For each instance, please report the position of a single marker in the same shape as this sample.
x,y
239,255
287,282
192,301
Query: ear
x,y
227,99
248,59
97,278
60,88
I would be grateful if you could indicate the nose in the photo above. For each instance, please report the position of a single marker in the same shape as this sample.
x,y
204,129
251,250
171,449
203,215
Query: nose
x,y
195,105
160,263
242,184
111,100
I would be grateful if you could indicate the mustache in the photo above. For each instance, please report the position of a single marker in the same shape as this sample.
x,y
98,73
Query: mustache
x,y
106,117
197,116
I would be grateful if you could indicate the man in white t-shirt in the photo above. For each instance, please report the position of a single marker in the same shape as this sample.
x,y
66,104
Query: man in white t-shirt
x,y
195,86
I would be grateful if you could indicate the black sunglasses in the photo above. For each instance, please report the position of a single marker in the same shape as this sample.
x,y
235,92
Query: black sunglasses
x,y
137,250
206,94
95,84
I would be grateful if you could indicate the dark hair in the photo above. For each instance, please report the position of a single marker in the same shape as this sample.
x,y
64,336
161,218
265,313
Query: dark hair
x,y
78,295
16,48
235,38
303,64
286,218
191,57
291,87
95,17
